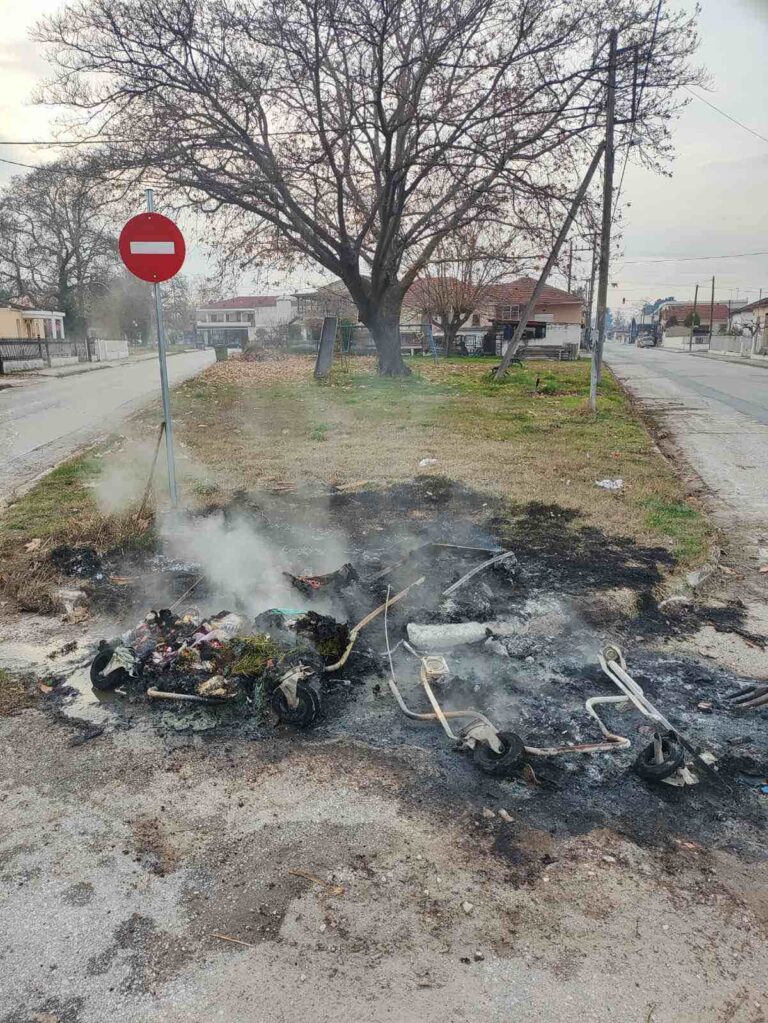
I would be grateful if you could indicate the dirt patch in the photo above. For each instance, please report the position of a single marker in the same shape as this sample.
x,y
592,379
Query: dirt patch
x,y
154,848
51,1010
17,691
150,954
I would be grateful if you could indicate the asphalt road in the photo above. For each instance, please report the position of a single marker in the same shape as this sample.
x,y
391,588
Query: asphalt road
x,y
716,413
47,419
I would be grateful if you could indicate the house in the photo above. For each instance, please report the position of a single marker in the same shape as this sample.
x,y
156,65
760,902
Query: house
x,y
17,323
672,317
328,300
555,324
751,321
235,321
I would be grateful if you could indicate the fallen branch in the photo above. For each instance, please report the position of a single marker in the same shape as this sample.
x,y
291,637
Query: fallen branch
x,y
139,514
186,593
235,941
333,889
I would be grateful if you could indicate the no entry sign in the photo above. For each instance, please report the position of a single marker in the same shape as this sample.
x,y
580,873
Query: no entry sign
x,y
152,247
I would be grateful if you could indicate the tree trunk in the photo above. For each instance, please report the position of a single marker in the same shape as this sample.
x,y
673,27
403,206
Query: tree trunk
x,y
384,325
449,338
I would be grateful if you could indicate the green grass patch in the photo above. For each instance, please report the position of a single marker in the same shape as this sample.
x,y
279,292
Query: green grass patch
x,y
684,525
59,496
254,654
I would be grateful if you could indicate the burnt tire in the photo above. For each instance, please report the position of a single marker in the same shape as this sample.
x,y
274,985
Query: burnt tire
x,y
306,710
115,678
674,758
499,764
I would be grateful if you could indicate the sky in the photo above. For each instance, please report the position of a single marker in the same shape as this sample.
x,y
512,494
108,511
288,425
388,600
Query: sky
x,y
714,205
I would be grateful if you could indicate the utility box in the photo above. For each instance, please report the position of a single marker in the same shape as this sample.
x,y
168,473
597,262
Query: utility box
x,y
221,353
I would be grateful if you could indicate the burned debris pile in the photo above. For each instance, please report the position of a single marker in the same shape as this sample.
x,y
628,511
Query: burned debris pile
x,y
287,657
225,659
452,626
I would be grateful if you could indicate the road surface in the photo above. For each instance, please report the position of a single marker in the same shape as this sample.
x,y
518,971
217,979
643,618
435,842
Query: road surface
x,y
717,415
48,419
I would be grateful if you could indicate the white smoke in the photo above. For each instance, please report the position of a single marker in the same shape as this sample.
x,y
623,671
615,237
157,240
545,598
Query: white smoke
x,y
243,566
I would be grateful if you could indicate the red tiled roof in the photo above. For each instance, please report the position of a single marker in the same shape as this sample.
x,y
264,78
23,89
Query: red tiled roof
x,y
423,288
243,302
519,292
760,304
681,309
505,293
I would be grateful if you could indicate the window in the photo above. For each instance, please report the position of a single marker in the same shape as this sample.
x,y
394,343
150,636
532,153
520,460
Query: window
x,y
475,319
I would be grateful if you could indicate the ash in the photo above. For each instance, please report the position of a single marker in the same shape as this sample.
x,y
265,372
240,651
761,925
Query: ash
x,y
547,612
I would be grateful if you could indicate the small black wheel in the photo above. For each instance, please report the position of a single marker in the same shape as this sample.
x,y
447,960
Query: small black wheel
x,y
674,758
115,678
306,710
511,756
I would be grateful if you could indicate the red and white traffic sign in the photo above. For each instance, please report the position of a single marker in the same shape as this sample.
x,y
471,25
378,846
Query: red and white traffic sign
x,y
152,247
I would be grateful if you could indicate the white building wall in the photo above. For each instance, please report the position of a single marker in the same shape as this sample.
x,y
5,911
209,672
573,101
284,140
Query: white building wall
x,y
561,334
109,351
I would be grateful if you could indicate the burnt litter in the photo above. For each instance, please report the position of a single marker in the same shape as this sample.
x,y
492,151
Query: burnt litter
x,y
547,611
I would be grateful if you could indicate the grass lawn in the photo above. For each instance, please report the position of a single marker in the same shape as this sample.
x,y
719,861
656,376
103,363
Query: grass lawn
x,y
264,425
529,439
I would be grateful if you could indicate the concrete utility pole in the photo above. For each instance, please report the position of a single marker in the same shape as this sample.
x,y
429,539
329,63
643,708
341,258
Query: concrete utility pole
x,y
578,199
711,312
588,330
171,460
605,236
693,319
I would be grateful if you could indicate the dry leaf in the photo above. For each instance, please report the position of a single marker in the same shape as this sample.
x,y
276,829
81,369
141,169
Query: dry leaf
x,y
763,569
33,544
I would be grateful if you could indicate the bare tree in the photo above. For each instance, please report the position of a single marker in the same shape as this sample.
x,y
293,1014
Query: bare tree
x,y
355,134
459,279
58,246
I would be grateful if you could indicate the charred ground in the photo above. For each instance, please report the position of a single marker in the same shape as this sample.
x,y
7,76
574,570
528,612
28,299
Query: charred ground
x,y
571,589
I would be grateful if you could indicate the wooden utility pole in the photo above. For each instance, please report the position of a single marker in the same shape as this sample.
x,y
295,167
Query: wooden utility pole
x,y
711,312
693,319
570,267
605,236
526,314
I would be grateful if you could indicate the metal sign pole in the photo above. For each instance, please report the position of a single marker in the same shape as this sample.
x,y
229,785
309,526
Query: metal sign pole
x,y
164,378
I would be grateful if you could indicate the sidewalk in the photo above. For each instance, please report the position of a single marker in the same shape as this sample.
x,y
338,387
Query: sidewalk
x,y
739,360
88,367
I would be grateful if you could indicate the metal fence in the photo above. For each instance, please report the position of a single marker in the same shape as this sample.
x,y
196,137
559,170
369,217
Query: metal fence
x,y
40,351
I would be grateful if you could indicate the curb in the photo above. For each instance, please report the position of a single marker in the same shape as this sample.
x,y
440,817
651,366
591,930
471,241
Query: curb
x,y
117,364
737,360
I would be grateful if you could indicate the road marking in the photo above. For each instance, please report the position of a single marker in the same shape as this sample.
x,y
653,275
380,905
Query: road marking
x,y
153,248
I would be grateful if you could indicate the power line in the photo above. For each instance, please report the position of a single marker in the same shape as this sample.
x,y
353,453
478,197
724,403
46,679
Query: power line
x,y
620,289
29,166
724,114
686,259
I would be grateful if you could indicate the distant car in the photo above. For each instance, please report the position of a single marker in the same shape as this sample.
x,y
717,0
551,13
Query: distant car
x,y
646,341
